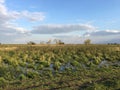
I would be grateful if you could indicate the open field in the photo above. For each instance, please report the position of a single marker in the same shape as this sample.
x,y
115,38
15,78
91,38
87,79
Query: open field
x,y
59,67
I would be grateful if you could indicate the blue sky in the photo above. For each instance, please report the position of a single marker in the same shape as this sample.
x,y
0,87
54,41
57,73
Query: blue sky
x,y
72,21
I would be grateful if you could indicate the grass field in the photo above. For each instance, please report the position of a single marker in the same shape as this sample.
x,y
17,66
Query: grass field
x,y
59,67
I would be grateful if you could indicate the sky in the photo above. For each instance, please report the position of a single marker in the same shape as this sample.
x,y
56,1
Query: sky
x,y
71,21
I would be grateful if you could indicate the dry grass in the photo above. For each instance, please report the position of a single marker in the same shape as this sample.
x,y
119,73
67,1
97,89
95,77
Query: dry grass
x,y
7,48
115,48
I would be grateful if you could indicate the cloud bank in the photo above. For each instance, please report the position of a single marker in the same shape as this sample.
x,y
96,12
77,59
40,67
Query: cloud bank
x,y
102,33
60,28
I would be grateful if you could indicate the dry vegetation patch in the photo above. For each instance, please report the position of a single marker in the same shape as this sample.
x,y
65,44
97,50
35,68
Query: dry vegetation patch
x,y
7,48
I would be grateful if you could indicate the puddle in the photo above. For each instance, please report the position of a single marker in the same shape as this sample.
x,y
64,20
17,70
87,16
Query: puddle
x,y
69,66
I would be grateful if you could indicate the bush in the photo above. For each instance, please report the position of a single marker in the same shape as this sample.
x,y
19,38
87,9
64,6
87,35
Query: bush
x,y
31,43
3,82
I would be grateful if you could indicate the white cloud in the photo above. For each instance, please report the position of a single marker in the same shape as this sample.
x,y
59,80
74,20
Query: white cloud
x,y
61,28
113,31
2,1
33,16
102,33
5,21
9,32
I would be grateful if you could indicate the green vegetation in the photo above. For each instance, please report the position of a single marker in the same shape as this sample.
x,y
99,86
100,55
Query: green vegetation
x,y
63,67
87,42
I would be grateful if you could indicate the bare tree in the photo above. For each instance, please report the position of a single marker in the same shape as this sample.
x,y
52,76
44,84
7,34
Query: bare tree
x,y
57,41
42,42
48,42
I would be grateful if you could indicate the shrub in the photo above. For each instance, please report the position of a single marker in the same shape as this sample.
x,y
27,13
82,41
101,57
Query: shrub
x,y
22,77
3,82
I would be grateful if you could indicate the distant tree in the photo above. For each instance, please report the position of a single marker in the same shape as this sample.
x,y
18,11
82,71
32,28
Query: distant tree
x,y
112,43
87,42
31,43
57,41
42,42
60,42
48,42
115,43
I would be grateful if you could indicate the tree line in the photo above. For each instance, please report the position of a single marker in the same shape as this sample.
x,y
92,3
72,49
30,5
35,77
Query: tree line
x,y
57,41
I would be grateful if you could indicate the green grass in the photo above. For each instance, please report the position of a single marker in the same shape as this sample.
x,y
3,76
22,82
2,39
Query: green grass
x,y
65,67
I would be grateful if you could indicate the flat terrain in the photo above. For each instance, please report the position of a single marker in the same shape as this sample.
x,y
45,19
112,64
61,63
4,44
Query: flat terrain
x,y
59,67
